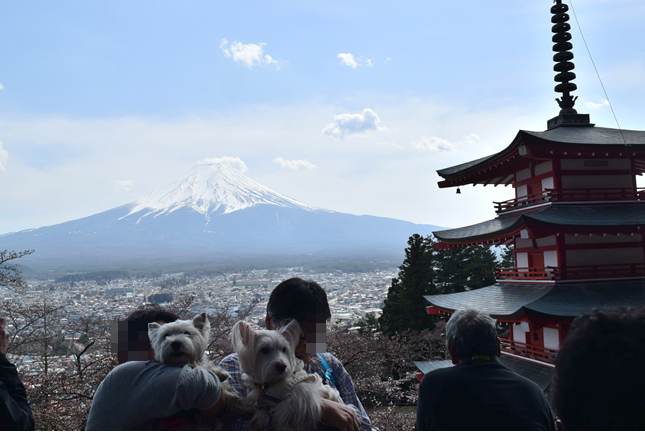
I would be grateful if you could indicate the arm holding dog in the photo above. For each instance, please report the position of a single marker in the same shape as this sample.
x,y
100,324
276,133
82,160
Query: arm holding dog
x,y
154,390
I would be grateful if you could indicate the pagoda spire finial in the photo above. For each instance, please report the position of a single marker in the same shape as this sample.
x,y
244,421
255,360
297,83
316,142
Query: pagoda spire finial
x,y
562,57
568,116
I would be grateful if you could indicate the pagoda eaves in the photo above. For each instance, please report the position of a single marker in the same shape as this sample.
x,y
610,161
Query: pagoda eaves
x,y
531,147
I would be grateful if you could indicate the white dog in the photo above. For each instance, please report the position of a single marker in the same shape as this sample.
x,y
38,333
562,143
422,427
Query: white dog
x,y
182,343
278,386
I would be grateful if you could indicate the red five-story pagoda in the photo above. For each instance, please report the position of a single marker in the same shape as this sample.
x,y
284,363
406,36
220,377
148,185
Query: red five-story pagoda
x,y
576,223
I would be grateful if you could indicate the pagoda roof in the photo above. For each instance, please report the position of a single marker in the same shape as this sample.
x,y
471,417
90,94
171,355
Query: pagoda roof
x,y
590,136
578,217
508,301
562,137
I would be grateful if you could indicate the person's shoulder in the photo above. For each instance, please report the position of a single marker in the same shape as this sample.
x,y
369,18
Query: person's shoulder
x,y
329,358
439,376
131,367
521,381
231,358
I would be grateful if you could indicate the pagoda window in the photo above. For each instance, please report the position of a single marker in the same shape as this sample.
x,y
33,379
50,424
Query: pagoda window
x,y
596,181
522,260
625,255
546,241
547,183
543,168
550,258
573,240
519,332
551,338
521,191
595,165
523,243
523,175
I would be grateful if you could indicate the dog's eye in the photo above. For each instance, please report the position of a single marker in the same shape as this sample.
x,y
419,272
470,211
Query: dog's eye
x,y
284,349
187,333
265,351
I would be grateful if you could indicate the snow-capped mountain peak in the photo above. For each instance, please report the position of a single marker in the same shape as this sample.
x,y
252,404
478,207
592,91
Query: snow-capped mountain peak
x,y
211,187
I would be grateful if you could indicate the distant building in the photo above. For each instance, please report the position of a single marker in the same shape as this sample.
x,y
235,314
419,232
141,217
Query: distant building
x,y
119,291
249,283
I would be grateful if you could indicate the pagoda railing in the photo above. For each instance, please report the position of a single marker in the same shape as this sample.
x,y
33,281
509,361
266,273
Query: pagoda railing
x,y
527,273
571,195
571,273
526,350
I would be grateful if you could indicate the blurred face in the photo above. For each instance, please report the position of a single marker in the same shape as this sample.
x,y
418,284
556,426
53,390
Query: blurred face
x,y
127,350
313,338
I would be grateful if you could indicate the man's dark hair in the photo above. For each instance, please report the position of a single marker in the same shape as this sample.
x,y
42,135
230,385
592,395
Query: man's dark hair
x,y
471,333
298,299
139,319
599,381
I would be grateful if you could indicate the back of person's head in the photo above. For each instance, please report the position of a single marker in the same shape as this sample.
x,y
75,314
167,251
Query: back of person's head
x,y
299,299
151,313
137,329
471,333
599,381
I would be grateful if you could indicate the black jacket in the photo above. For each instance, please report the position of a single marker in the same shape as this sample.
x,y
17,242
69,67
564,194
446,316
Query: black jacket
x,y
481,395
15,413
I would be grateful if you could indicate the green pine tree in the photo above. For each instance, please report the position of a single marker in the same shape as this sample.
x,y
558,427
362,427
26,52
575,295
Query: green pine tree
x,y
508,258
404,305
465,268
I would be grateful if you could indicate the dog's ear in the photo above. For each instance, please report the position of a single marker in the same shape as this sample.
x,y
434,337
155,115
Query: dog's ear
x,y
241,335
153,328
292,333
202,324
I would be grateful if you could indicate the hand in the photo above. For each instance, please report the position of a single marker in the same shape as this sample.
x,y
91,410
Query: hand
x,y
4,336
339,416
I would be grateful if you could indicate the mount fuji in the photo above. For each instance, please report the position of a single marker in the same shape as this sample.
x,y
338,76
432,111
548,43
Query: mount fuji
x,y
213,215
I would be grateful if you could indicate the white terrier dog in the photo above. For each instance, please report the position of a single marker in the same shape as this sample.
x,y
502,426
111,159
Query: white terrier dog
x,y
281,390
182,343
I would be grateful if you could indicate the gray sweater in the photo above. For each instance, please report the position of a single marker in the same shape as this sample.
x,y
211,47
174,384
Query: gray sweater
x,y
134,393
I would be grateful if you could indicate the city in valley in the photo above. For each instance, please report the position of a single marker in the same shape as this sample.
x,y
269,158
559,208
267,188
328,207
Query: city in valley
x,y
351,295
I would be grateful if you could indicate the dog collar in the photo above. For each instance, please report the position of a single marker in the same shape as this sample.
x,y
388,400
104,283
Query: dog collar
x,y
268,400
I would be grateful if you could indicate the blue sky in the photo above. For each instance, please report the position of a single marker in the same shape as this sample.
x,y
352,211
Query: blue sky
x,y
354,109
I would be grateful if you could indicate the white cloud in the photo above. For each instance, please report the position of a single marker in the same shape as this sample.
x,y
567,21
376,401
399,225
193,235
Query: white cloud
x,y
595,106
437,144
233,162
349,124
294,164
4,156
125,185
348,59
1,86
247,54
433,144
387,60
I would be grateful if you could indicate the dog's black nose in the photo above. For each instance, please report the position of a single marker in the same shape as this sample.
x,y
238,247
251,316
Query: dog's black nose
x,y
175,345
280,367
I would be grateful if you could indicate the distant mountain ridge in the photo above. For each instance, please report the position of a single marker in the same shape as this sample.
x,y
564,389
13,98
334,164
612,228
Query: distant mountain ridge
x,y
214,214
